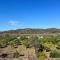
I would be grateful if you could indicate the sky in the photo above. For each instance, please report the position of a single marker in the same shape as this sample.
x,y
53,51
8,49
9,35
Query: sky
x,y
17,14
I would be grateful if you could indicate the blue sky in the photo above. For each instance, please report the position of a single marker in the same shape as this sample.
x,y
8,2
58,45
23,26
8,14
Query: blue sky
x,y
15,14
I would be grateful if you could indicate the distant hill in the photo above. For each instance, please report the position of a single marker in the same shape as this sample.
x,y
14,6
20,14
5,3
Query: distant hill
x,y
31,31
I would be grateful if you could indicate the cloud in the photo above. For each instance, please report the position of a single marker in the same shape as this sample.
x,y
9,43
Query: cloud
x,y
12,23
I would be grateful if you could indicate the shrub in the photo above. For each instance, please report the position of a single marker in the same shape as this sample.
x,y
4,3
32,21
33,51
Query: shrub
x,y
48,45
41,55
55,54
58,45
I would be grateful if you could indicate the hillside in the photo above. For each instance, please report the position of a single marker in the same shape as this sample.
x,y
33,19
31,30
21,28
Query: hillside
x,y
32,31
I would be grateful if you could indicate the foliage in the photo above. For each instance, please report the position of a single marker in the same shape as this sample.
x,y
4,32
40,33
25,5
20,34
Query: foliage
x,y
25,41
41,55
14,42
48,45
40,43
55,54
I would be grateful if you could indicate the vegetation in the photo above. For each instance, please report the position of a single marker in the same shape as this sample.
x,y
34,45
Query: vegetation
x,y
41,43
55,54
41,55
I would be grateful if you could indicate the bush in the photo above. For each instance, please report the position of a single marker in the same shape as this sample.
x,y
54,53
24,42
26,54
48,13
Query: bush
x,y
41,55
48,45
58,45
55,54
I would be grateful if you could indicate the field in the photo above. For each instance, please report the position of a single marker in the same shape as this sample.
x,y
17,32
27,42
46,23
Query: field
x,y
30,47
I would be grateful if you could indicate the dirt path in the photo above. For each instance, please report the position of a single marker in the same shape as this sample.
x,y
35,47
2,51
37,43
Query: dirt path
x,y
29,53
